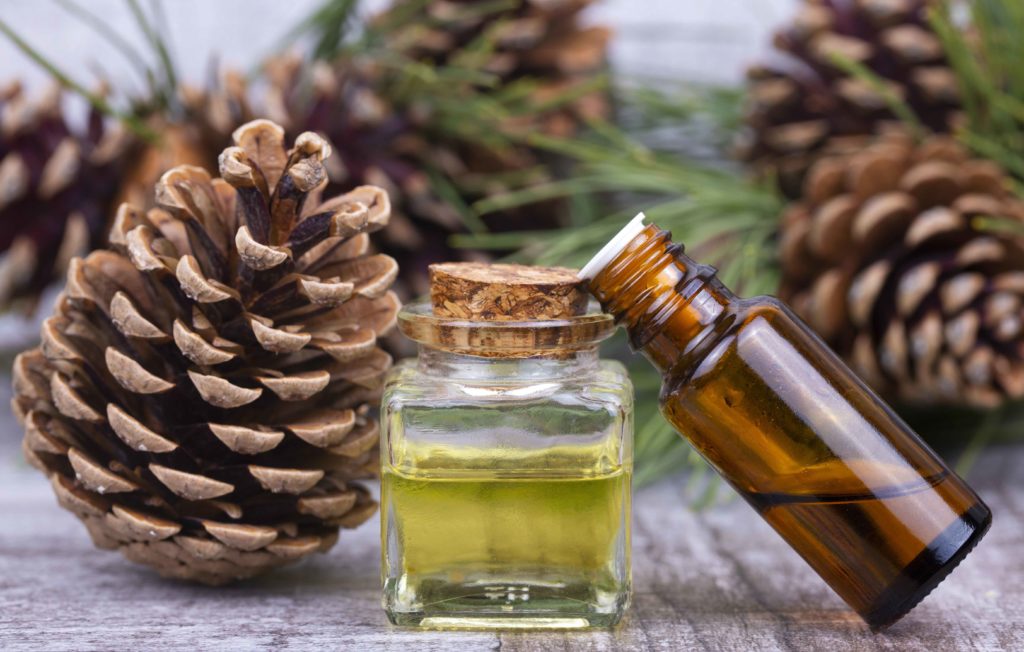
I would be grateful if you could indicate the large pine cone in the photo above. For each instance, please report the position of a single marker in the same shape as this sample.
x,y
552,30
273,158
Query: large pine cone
x,y
892,258
801,99
57,187
201,398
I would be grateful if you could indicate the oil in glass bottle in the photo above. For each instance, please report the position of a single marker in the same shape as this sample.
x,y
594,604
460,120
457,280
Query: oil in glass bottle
x,y
506,457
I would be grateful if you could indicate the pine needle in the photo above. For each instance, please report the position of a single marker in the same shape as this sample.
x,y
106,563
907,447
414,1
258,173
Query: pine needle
x,y
986,60
167,90
978,441
893,101
111,35
331,24
97,101
699,204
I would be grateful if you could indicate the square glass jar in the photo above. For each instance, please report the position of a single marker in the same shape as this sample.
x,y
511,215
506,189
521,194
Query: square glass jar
x,y
506,451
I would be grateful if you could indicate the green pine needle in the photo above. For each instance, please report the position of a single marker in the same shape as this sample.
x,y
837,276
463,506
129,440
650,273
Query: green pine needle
x,y
730,220
167,87
331,27
108,33
456,101
893,101
986,60
97,101
981,438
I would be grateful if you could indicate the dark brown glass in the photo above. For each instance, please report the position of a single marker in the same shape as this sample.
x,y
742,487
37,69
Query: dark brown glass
x,y
837,474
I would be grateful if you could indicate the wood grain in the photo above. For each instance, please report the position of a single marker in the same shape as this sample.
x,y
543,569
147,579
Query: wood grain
x,y
715,580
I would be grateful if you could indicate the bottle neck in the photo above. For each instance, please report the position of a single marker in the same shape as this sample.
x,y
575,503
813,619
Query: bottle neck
x,y
561,364
667,302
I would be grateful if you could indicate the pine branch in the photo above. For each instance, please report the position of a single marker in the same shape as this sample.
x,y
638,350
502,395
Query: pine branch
x,y
986,60
456,99
700,205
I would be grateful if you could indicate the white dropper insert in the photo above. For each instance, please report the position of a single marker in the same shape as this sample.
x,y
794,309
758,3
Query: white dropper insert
x,y
612,249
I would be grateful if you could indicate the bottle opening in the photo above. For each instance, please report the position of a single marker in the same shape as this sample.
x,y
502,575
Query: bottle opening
x,y
612,249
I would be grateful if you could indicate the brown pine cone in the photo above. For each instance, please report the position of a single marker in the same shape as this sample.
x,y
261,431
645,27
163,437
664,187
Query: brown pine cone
x,y
202,395
801,99
890,255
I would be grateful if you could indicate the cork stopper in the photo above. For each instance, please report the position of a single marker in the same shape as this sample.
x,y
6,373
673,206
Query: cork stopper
x,y
479,291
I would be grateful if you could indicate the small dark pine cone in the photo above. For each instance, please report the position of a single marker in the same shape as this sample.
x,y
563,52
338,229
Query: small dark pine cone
x,y
907,258
57,189
801,101
202,395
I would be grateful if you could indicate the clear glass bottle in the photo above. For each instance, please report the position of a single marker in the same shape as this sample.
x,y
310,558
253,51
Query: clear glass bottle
x,y
506,464
830,467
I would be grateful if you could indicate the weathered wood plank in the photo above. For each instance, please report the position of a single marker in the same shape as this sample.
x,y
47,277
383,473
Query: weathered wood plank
x,y
717,580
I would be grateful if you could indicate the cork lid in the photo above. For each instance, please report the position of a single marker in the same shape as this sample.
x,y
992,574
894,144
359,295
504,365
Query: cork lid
x,y
498,292
505,311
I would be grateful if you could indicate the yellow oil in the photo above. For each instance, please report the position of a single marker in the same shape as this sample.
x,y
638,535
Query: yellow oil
x,y
505,545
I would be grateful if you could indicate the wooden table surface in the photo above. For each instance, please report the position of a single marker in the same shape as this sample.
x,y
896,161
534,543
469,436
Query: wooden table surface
x,y
715,580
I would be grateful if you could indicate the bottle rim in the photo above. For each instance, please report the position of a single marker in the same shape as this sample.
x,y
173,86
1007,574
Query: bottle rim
x,y
613,248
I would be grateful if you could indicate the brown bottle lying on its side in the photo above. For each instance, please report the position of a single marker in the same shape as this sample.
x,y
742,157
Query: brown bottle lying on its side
x,y
838,475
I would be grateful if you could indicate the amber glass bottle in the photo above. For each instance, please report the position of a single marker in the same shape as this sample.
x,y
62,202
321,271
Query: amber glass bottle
x,y
837,474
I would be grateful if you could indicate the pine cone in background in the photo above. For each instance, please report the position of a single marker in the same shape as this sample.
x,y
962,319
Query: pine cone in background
x,y
194,135
888,257
540,40
378,144
201,398
56,188
542,45
800,101
538,45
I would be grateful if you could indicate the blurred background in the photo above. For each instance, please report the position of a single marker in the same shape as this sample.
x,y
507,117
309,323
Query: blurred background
x,y
704,40
699,41
860,159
